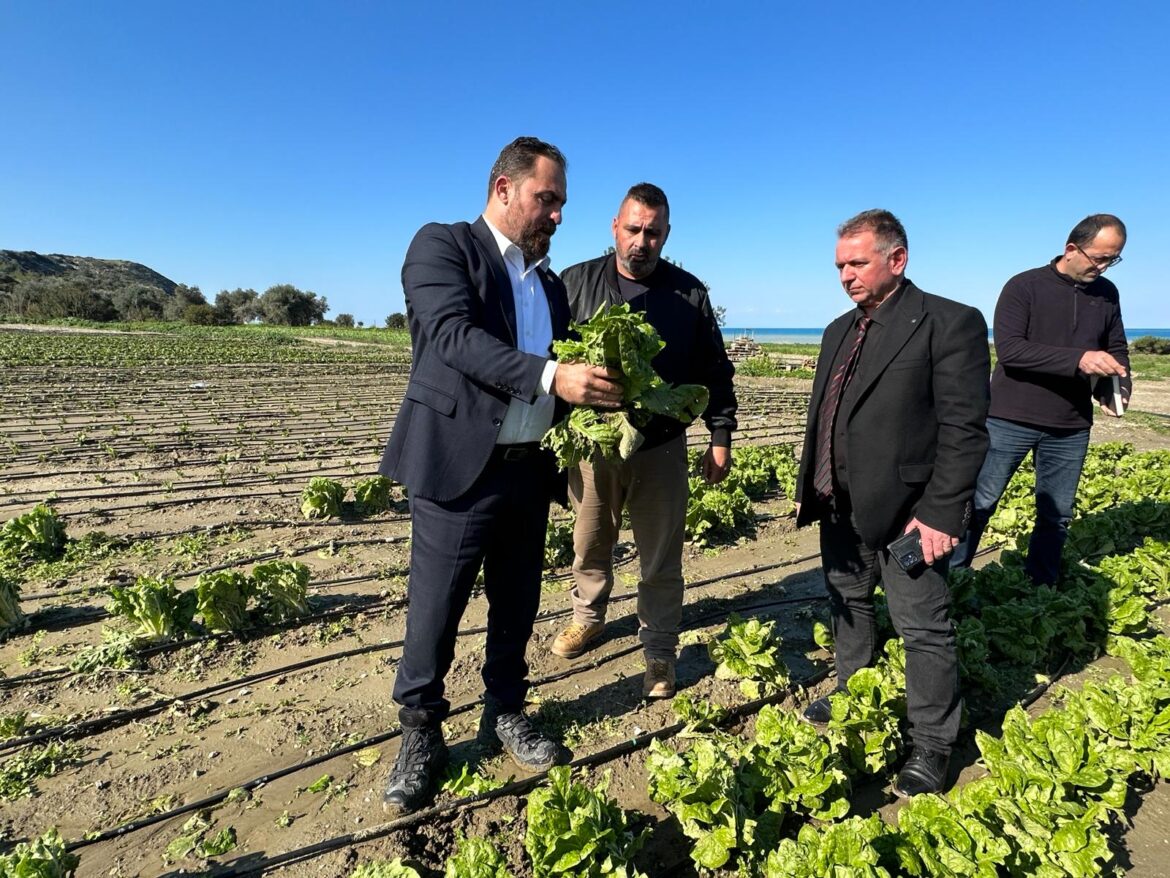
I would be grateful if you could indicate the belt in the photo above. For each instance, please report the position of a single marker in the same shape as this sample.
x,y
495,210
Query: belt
x,y
515,453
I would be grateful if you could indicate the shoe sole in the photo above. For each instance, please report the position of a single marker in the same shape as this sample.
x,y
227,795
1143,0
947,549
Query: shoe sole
x,y
657,695
574,653
528,767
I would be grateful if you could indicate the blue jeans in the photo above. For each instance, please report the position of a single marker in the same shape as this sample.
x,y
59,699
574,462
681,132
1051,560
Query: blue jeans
x,y
1058,456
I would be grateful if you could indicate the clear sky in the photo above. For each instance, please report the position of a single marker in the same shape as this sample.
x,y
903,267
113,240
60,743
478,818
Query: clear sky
x,y
243,144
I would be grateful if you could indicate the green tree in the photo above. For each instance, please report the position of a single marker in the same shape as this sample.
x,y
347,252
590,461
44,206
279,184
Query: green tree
x,y
139,302
199,315
397,320
285,305
345,320
236,306
180,300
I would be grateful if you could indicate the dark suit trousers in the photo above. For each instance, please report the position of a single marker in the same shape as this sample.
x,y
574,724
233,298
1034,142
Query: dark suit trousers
x,y
498,523
920,610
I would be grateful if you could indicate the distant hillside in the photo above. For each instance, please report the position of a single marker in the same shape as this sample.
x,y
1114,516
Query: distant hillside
x,y
22,265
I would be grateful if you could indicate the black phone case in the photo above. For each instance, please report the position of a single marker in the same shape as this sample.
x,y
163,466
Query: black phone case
x,y
906,551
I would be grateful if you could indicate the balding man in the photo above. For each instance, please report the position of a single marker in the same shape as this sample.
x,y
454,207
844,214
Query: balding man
x,y
1059,341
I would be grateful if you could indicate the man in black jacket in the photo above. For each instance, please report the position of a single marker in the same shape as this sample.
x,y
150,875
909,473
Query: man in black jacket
x,y
483,311
652,484
1058,331
894,441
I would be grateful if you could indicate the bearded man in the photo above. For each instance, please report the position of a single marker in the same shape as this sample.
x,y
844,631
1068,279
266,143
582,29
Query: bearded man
x,y
483,310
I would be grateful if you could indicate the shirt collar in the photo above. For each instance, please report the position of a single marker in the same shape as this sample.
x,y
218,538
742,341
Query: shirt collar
x,y
510,252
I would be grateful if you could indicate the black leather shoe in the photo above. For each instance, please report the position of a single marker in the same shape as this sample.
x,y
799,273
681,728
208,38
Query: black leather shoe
x,y
529,749
421,759
924,772
819,712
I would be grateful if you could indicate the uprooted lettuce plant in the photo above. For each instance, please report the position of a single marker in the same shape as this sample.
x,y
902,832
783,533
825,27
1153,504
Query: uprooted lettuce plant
x,y
322,498
372,495
12,617
281,589
223,600
43,857
621,340
38,535
158,609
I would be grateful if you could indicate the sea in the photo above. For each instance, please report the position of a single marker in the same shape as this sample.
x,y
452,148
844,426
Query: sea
x,y
802,335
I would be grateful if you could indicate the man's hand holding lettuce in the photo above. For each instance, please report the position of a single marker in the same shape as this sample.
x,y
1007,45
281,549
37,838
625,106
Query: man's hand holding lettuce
x,y
623,341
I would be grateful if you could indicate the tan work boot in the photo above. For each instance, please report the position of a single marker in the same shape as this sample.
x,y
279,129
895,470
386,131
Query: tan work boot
x,y
575,639
659,679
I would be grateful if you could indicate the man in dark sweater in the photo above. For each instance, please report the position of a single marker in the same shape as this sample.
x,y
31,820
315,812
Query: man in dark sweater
x,y
1058,332
652,484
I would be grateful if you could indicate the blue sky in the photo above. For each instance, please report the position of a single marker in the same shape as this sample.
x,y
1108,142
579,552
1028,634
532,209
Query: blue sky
x,y
238,144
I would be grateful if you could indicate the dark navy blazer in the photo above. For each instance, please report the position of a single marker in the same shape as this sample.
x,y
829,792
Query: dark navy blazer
x,y
465,365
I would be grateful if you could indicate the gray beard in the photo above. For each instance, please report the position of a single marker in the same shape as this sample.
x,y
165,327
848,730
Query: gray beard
x,y
638,270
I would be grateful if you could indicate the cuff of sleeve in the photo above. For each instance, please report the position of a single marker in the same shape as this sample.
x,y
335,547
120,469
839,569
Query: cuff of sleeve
x,y
546,377
721,437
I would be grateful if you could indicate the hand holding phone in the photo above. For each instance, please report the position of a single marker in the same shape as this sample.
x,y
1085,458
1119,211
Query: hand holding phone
x,y
906,551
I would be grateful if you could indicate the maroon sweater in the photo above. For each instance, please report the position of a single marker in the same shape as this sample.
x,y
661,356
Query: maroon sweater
x,y
1044,322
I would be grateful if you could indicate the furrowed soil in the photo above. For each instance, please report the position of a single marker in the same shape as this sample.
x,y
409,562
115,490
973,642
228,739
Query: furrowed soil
x,y
191,467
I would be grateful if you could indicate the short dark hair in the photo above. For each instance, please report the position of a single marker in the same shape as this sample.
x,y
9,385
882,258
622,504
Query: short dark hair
x,y
649,195
888,231
1087,229
517,159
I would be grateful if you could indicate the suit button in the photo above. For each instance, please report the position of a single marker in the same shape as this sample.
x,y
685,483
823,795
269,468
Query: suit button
x,y
496,422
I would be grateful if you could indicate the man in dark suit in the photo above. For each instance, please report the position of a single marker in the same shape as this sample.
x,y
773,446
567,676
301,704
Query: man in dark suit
x,y
894,441
483,309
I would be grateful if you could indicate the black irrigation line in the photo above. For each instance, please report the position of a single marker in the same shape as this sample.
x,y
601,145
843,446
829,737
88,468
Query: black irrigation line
x,y
241,562
382,737
364,604
518,788
120,717
145,488
309,437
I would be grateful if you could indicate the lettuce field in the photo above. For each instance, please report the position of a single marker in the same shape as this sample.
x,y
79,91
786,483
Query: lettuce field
x,y
202,600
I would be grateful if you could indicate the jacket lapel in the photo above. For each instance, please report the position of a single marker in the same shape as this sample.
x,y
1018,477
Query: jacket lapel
x,y
503,285
558,303
897,327
834,335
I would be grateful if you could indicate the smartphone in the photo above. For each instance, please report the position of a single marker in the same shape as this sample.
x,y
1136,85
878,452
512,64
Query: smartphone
x,y
906,551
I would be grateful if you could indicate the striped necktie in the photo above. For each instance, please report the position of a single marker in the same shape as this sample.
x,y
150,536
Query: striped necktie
x,y
827,416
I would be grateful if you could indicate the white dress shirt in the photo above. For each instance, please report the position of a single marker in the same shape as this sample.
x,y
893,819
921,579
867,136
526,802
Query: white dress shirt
x,y
527,422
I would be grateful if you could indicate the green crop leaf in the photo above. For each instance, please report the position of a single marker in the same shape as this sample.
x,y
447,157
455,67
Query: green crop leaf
x,y
574,830
12,617
372,495
43,857
384,869
222,600
463,780
477,858
622,340
219,844
322,498
281,590
157,609
38,535
749,650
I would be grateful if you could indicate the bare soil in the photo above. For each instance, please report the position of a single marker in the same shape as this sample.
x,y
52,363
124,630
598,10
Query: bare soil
x,y
225,489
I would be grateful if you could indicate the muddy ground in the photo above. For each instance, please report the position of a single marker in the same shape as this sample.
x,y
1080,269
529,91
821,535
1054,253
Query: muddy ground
x,y
223,489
